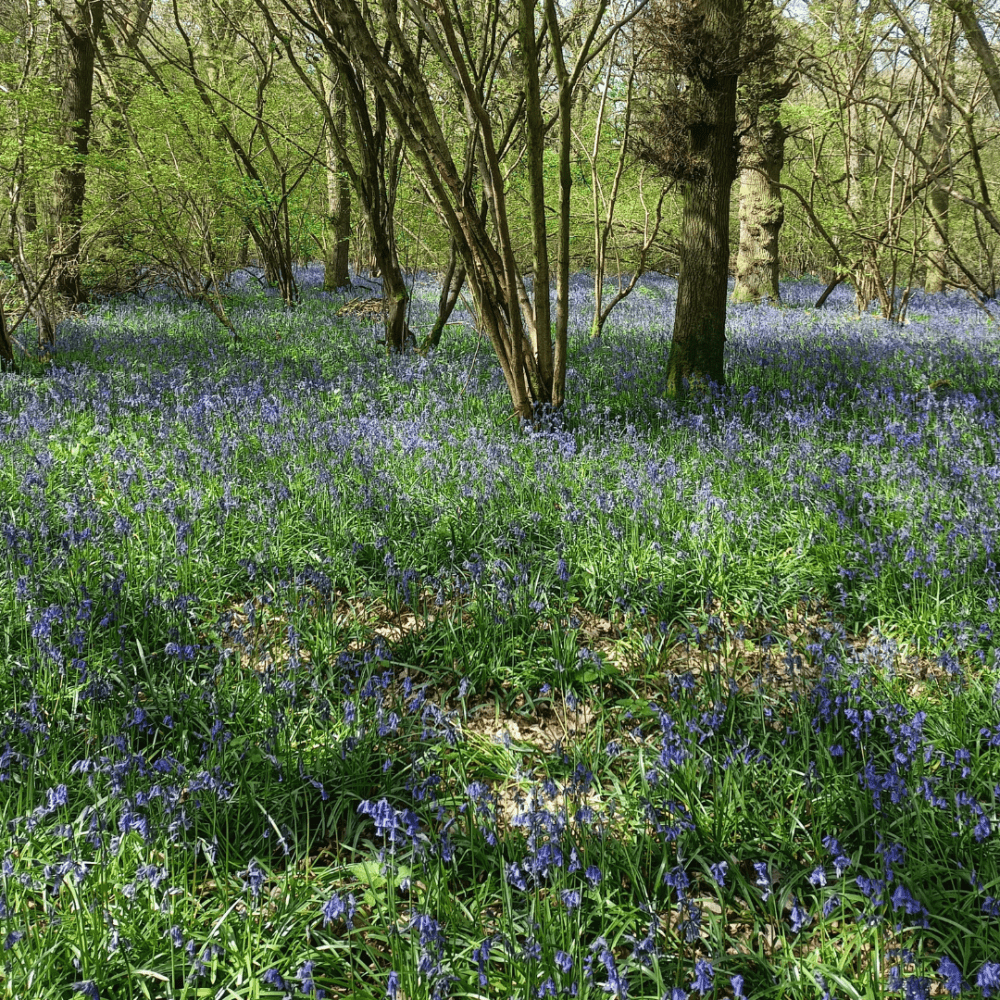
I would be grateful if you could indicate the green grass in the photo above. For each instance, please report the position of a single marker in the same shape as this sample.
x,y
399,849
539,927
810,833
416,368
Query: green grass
x,y
311,657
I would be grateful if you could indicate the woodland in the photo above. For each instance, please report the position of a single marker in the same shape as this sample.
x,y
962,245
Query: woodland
x,y
499,498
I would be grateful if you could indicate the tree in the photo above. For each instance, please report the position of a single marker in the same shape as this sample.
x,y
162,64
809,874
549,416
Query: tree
x,y
943,50
469,47
762,158
337,239
691,136
81,31
358,130
7,361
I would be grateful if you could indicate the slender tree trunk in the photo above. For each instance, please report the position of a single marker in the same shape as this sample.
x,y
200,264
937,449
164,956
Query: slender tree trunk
x,y
451,288
942,20
336,273
71,180
866,274
243,257
697,350
395,298
762,213
535,143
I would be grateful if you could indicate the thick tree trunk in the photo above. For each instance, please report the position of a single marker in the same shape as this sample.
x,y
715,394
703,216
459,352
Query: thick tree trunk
x,y
762,213
697,350
71,180
338,197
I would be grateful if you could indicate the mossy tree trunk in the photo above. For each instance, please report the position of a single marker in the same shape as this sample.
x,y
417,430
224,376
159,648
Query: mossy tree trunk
x,y
762,212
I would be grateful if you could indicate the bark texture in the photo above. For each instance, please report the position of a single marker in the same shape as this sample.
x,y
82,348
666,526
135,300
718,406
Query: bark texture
x,y
7,362
338,195
762,213
942,20
76,113
697,350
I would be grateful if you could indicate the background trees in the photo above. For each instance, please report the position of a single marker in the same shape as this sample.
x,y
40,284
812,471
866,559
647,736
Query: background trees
x,y
504,144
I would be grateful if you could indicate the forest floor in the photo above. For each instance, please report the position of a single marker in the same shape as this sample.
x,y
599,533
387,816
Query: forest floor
x,y
320,677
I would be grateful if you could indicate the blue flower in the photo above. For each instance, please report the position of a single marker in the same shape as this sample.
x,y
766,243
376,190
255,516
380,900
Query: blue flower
x,y
88,988
988,978
335,907
392,985
718,872
799,916
306,981
952,974
273,978
763,879
736,982
253,878
818,877
704,975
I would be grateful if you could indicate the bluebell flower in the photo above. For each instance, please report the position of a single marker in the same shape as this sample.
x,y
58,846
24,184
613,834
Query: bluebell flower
x,y
532,951
799,916
11,939
916,988
763,879
704,976
307,984
617,983
593,875
570,897
563,961
718,872
952,975
253,878
335,907
87,988
481,956
988,978
392,985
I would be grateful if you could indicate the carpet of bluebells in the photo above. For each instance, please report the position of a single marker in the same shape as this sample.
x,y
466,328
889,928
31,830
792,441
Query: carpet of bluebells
x,y
284,626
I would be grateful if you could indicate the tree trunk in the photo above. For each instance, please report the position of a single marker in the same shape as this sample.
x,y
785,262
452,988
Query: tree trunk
x,y
535,159
942,21
451,288
336,273
866,272
71,180
699,337
7,362
762,213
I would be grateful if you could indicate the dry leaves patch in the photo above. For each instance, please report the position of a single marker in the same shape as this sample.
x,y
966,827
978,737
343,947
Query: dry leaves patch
x,y
258,633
